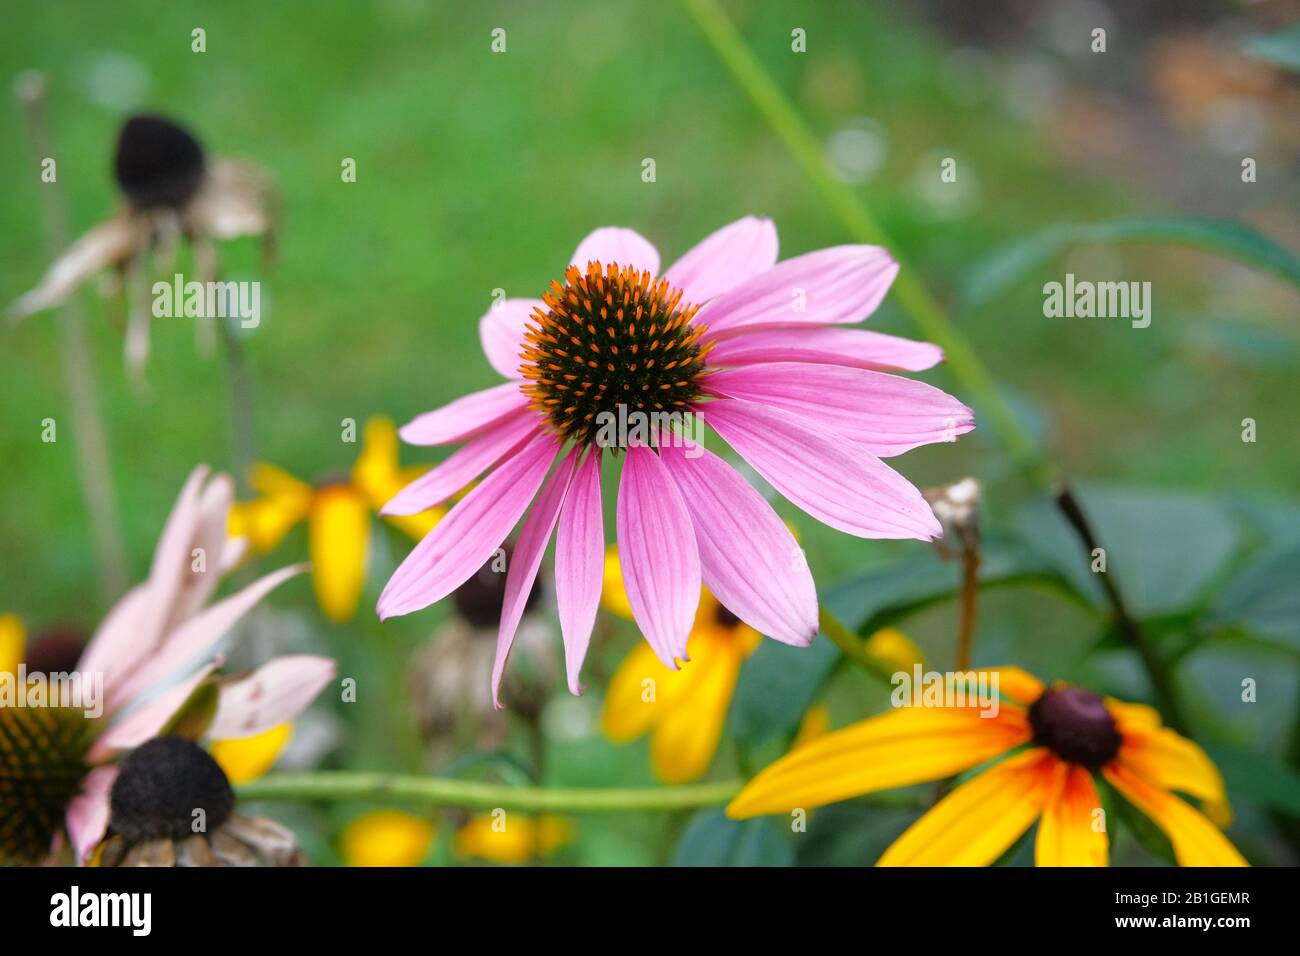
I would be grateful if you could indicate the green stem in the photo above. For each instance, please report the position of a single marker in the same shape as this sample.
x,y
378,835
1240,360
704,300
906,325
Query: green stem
x,y
857,219
440,791
853,646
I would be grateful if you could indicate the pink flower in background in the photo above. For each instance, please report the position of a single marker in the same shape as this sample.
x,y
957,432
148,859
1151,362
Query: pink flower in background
x,y
157,645
759,350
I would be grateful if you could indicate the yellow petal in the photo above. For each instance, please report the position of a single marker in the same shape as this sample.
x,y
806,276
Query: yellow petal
x,y
1196,841
265,521
975,824
247,758
638,695
375,473
273,482
816,722
612,594
1170,760
510,838
13,640
1017,684
894,648
1072,831
417,525
386,838
904,746
687,736
339,538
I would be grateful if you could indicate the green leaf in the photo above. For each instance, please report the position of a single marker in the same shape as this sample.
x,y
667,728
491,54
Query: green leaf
x,y
880,596
1007,265
779,683
1165,547
714,839
1281,48
1257,777
1263,598
193,717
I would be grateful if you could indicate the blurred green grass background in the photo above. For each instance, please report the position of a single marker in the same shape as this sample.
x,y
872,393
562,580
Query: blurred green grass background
x,y
477,171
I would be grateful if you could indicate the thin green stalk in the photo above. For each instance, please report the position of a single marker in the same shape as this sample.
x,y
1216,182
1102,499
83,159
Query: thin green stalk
x,y
908,290
853,646
965,365
90,438
428,791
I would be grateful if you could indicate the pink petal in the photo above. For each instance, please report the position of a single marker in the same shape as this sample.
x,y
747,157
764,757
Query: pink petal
x,y
827,345
722,261
196,637
116,649
527,559
210,535
172,560
580,564
748,557
147,719
834,479
87,816
466,416
275,693
464,465
502,333
459,544
886,414
661,561
613,244
837,285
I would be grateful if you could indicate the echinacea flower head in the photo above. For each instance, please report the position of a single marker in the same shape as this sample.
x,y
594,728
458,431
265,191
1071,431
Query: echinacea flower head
x,y
761,352
1050,743
338,513
156,654
446,674
172,190
173,805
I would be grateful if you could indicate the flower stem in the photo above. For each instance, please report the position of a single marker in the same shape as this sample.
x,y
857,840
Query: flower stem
x,y
857,219
853,646
329,785
89,436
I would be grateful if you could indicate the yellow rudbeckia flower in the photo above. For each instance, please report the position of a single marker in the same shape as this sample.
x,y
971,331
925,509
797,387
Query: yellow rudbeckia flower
x,y
510,838
337,513
1069,735
386,838
683,710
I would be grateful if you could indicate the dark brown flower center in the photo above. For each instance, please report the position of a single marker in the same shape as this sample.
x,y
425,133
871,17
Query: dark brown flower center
x,y
479,599
611,336
1076,726
158,163
55,651
42,764
169,787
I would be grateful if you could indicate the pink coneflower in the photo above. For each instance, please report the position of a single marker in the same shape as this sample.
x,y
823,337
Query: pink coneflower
x,y
155,650
760,351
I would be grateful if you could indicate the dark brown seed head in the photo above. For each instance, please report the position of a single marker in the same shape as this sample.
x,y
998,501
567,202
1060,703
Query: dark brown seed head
x,y
162,784
611,336
158,163
1076,726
